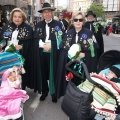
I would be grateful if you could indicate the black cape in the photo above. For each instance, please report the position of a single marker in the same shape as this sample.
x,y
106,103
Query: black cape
x,y
25,37
40,33
98,36
68,40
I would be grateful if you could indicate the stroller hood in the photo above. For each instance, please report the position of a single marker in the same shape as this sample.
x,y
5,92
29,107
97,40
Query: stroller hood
x,y
108,59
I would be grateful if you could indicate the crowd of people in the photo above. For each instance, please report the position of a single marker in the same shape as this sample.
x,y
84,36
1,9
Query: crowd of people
x,y
45,48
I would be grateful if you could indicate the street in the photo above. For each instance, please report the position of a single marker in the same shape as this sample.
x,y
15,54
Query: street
x,y
46,110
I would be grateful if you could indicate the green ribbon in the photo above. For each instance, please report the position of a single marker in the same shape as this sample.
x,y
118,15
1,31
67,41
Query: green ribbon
x,y
90,41
2,41
95,24
58,38
51,77
11,48
78,68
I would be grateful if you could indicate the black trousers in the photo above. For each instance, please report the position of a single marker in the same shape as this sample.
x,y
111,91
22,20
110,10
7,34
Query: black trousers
x,y
45,69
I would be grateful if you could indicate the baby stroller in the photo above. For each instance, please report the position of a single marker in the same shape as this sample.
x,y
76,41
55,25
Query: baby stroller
x,y
11,100
80,104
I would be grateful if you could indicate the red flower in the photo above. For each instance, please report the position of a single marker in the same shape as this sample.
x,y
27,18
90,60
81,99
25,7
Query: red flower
x,y
69,76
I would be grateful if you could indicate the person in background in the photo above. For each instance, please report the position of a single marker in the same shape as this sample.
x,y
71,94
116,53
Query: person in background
x,y
47,37
82,37
63,21
56,18
96,28
115,27
18,33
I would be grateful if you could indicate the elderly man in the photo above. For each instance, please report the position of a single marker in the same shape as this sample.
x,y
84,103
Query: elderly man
x,y
47,37
94,26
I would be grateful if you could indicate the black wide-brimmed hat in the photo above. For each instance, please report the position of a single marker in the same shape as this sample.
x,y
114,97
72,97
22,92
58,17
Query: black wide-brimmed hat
x,y
46,6
90,13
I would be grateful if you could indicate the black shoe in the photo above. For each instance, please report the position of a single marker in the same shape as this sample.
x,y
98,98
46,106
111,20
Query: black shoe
x,y
54,99
43,96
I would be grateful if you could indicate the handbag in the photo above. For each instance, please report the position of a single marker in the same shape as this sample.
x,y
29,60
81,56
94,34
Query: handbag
x,y
76,103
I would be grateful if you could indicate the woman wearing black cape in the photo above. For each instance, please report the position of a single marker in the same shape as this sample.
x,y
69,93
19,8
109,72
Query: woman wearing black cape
x,y
81,36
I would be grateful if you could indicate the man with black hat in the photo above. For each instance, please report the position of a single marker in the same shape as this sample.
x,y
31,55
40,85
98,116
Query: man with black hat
x,y
47,37
94,26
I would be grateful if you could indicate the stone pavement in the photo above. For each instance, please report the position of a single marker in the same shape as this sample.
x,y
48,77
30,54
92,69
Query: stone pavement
x,y
114,35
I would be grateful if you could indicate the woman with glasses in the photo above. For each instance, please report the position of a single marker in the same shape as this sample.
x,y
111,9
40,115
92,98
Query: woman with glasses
x,y
88,45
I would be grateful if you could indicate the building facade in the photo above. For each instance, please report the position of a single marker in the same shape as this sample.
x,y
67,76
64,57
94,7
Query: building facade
x,y
7,5
112,8
80,5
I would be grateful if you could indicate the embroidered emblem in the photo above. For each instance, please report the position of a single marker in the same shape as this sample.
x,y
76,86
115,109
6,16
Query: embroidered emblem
x,y
23,33
7,33
57,28
84,36
84,41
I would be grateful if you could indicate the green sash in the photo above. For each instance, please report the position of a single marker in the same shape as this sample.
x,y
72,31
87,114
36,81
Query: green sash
x,y
51,77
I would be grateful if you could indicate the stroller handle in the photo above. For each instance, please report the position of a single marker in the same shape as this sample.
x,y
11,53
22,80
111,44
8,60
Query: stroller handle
x,y
83,65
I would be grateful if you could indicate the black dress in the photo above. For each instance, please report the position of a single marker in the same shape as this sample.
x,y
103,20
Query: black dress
x,y
25,38
46,68
98,36
91,62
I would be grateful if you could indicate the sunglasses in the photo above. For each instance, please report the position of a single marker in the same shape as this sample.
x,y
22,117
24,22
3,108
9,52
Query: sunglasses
x,y
80,20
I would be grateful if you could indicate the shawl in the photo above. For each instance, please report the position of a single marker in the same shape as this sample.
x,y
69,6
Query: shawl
x,y
103,103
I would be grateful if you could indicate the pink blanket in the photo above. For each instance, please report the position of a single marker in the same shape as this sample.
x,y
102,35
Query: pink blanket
x,y
10,102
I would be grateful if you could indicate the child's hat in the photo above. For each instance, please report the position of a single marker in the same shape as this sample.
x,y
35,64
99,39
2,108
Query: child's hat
x,y
115,70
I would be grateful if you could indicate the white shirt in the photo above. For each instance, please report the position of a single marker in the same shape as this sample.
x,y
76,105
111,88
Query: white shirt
x,y
76,37
41,43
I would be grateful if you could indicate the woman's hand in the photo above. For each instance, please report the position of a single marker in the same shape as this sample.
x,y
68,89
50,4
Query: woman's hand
x,y
18,47
82,55
47,47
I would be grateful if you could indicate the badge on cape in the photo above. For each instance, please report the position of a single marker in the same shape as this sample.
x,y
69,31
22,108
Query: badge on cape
x,y
94,39
57,28
7,34
84,41
23,33
84,36
37,29
60,32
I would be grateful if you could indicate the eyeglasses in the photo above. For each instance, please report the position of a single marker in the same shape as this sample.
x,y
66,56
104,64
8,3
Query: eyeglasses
x,y
80,20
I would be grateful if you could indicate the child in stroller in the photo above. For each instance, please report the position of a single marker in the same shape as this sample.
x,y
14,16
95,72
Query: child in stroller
x,y
11,95
113,74
11,78
110,90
